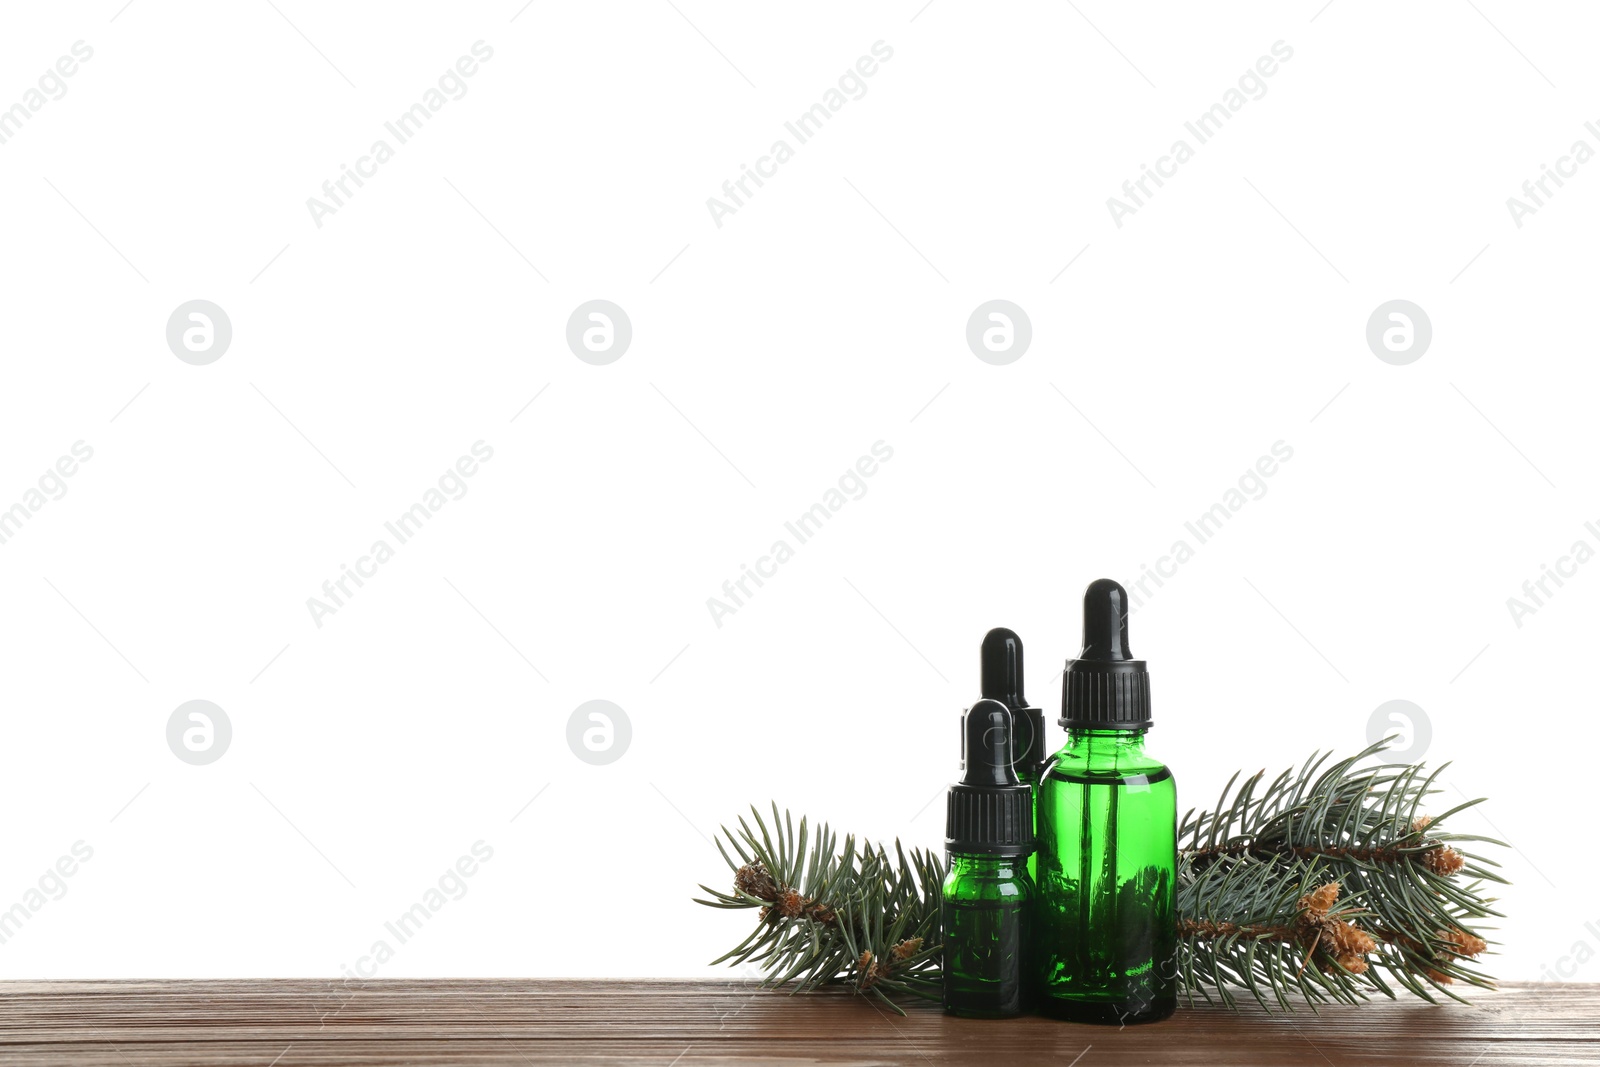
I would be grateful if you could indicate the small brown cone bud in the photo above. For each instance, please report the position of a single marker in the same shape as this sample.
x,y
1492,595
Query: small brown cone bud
x,y
906,949
790,904
1320,899
754,879
871,969
1350,940
1444,861
1461,942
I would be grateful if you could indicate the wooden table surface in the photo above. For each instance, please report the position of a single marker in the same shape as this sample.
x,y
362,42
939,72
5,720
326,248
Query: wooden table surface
x,y
298,1023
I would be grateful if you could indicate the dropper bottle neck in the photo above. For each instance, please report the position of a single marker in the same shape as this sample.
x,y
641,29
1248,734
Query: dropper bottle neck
x,y
1106,741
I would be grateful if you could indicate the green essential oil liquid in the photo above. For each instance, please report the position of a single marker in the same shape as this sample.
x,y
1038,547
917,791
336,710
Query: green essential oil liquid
x,y
1107,864
1033,860
987,907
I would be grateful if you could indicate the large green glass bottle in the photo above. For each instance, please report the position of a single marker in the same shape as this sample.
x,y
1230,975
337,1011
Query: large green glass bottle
x,y
1105,941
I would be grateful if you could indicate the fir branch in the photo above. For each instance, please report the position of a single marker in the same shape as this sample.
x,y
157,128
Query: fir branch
x,y
835,915
1248,869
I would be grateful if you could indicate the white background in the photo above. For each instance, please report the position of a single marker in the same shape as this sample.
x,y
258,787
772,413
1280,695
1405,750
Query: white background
x,y
768,354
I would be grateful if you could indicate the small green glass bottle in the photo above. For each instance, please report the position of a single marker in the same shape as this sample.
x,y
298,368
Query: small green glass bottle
x,y
1106,945
988,894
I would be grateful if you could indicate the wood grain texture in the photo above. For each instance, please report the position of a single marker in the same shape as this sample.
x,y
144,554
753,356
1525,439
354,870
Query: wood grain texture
x,y
304,1023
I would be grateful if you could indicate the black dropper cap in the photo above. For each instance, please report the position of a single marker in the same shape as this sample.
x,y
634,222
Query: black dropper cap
x,y
989,811
1105,688
1001,674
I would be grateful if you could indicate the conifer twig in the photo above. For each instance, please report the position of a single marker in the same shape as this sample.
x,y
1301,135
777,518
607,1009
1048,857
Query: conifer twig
x,y
834,914
1259,876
